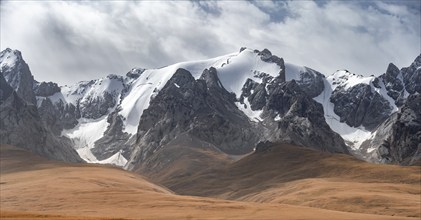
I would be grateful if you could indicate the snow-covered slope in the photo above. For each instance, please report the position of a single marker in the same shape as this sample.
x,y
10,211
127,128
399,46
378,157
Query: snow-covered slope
x,y
354,136
346,79
117,159
93,100
102,116
343,79
85,134
85,91
8,58
130,96
133,94
233,71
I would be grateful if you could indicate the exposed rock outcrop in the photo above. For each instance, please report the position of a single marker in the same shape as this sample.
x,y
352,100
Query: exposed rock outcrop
x,y
360,105
202,108
412,76
293,117
393,84
398,139
311,82
46,89
21,126
58,116
17,74
114,139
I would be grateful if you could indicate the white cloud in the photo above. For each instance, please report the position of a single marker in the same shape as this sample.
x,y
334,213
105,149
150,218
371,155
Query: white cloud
x,y
71,41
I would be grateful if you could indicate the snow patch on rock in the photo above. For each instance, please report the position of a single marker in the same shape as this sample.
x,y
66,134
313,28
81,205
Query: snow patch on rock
x,y
354,136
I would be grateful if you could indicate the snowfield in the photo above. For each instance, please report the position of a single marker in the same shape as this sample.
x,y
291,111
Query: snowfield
x,y
133,95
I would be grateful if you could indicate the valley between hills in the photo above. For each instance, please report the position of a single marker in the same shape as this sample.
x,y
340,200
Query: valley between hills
x,y
275,182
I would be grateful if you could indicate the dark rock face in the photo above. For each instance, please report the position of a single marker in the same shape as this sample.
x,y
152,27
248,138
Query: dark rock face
x,y
398,139
5,89
258,98
202,108
50,116
58,116
95,107
359,105
255,93
412,76
68,114
17,74
61,115
211,79
290,114
46,89
299,120
393,83
405,143
263,146
266,55
397,82
135,73
114,139
394,86
203,113
21,126
311,82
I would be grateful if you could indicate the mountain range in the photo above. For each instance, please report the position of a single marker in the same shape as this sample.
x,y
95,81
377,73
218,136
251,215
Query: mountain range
x,y
228,106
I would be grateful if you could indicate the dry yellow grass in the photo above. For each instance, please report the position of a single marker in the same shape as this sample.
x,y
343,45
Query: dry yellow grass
x,y
34,188
298,176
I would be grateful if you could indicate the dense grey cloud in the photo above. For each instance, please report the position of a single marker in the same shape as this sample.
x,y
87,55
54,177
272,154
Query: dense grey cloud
x,y
71,41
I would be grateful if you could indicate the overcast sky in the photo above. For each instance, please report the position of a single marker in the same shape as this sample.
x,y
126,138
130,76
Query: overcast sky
x,y
71,41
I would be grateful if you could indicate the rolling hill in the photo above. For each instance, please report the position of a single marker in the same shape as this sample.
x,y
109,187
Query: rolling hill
x,y
36,188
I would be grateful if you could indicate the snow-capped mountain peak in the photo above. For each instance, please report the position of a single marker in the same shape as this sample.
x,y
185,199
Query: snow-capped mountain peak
x,y
345,79
251,95
9,58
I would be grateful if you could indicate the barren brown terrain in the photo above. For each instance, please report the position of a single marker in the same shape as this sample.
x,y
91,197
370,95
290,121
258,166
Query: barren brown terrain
x,y
287,174
35,188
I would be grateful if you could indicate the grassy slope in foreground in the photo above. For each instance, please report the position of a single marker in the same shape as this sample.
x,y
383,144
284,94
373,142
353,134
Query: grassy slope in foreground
x,y
32,187
286,174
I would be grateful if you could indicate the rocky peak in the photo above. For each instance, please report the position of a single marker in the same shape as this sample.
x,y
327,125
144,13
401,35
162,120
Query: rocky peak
x,y
312,82
186,106
392,82
46,89
343,79
181,79
135,73
21,126
211,78
9,57
291,116
266,55
392,70
417,61
412,76
398,139
17,74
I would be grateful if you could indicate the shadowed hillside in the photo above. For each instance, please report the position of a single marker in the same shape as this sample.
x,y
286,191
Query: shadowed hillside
x,y
35,188
300,176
